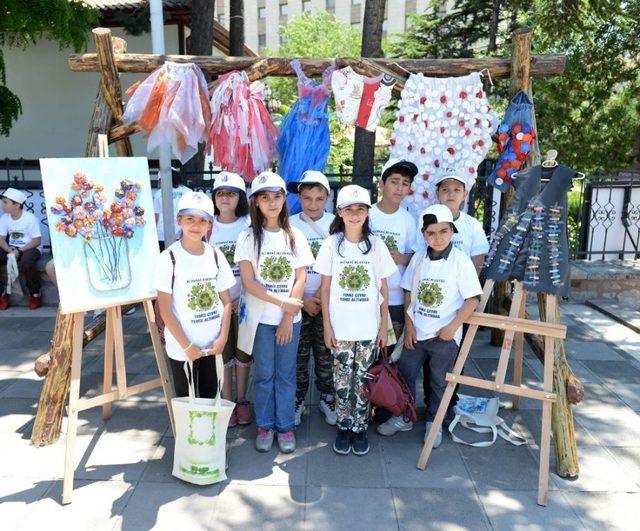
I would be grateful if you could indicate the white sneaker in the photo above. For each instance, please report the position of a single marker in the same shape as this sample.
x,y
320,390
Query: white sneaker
x,y
393,426
328,408
299,412
438,440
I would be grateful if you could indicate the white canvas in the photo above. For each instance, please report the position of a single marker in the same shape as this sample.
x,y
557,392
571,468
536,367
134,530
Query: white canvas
x,y
101,259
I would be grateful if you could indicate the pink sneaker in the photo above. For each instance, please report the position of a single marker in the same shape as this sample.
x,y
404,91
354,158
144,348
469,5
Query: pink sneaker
x,y
233,420
243,411
287,442
264,440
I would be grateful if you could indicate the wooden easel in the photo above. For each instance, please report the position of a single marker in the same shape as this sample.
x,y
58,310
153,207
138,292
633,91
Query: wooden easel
x,y
514,326
113,349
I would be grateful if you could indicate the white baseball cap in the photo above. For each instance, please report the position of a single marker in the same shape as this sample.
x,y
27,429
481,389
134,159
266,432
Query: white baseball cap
x,y
268,181
435,214
15,195
309,177
352,194
451,174
227,180
196,204
400,166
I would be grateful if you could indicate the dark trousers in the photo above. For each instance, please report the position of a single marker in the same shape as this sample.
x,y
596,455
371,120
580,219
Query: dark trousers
x,y
440,356
204,374
28,265
397,315
312,337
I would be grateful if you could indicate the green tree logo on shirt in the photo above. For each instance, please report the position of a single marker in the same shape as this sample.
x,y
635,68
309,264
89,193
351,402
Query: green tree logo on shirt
x,y
390,242
354,278
315,247
276,269
229,252
430,294
203,297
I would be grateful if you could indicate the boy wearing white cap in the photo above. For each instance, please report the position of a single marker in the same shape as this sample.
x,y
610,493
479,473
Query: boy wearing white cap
x,y
20,236
442,290
313,191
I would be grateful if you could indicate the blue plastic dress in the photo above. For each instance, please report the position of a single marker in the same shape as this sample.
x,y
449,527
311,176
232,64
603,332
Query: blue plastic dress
x,y
304,133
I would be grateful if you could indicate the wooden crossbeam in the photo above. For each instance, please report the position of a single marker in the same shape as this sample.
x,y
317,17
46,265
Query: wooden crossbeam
x,y
504,388
518,325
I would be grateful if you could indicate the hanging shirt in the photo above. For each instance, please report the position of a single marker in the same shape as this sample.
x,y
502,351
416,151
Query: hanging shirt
x,y
315,240
470,239
224,236
398,232
19,232
195,299
443,286
177,193
354,305
360,100
277,266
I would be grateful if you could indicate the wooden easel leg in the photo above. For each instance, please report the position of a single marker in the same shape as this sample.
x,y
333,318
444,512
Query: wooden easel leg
x,y
160,359
503,361
108,363
74,397
518,355
545,436
118,342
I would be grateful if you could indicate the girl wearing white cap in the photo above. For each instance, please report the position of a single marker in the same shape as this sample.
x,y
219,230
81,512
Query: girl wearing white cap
x,y
231,218
193,282
354,266
273,257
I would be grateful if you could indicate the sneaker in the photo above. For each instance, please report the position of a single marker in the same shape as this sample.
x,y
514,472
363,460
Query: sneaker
x,y
233,420
393,426
438,440
131,311
287,442
264,440
35,301
342,444
243,411
328,408
4,301
360,443
299,411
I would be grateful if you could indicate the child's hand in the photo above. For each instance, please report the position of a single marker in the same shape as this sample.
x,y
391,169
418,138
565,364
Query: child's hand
x,y
410,337
291,305
311,305
217,347
330,339
381,340
446,333
284,332
194,353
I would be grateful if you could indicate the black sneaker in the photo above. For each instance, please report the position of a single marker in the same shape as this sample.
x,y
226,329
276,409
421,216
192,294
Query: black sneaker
x,y
360,444
342,444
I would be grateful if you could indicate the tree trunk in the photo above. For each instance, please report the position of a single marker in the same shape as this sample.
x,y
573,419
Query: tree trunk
x,y
364,147
493,26
236,28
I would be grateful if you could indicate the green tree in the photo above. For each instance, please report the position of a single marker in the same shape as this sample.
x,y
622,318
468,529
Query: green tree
x,y
22,22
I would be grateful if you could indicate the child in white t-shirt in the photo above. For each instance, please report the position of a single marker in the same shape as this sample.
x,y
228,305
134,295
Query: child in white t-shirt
x,y
273,259
355,266
193,282
231,218
441,292
313,191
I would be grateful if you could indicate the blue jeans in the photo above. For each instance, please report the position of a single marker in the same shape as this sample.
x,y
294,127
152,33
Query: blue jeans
x,y
274,382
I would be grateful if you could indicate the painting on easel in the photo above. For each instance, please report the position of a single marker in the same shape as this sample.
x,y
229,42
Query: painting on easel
x,y
103,235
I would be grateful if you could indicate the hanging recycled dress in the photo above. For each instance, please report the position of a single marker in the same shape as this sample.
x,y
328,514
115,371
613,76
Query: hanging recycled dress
x,y
172,107
531,243
442,124
242,134
304,141
516,141
360,100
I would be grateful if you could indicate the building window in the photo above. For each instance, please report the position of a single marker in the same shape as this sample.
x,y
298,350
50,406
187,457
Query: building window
x,y
262,39
331,5
262,12
306,6
284,10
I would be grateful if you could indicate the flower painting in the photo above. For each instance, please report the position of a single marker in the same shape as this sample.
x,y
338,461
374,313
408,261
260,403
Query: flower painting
x,y
103,238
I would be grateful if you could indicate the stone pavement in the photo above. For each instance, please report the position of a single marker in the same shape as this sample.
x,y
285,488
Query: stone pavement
x,y
123,478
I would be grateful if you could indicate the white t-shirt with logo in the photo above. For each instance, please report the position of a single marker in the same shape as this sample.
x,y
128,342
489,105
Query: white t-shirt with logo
x,y
315,241
398,231
19,232
177,193
470,239
195,299
443,286
224,236
276,268
354,305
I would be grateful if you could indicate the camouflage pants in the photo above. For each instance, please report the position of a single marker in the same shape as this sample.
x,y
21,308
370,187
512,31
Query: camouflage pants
x,y
352,360
312,337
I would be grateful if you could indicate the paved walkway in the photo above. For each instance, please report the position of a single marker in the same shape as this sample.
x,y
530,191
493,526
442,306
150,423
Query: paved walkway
x,y
123,479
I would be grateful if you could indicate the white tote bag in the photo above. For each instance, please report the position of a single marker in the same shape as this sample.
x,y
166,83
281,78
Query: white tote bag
x,y
201,433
